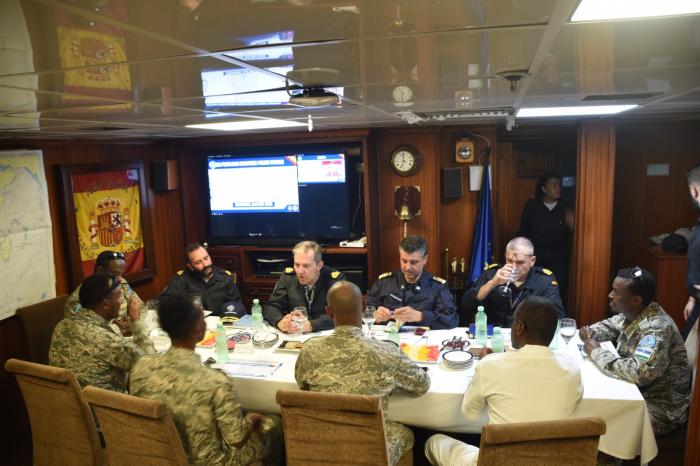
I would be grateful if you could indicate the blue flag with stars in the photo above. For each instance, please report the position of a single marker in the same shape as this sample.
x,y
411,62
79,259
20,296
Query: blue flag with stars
x,y
482,245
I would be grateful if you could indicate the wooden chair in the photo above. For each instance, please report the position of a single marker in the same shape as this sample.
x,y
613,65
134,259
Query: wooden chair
x,y
39,321
331,428
567,442
137,431
63,429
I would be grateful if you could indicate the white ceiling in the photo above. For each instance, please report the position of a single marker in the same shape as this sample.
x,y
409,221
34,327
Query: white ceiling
x,y
133,68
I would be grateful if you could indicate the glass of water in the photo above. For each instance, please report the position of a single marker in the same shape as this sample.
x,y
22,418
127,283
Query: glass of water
x,y
299,317
368,317
567,329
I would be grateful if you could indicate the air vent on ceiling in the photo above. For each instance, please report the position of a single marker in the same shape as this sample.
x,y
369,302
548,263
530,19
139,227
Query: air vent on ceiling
x,y
103,128
637,96
464,114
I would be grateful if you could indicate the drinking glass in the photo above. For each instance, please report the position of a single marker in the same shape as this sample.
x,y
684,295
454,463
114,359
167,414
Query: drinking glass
x,y
505,290
567,329
299,317
368,317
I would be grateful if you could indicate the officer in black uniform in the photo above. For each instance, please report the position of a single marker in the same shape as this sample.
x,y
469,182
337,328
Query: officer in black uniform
x,y
413,295
201,278
523,279
306,284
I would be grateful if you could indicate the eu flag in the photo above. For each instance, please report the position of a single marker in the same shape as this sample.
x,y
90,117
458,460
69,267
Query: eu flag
x,y
482,245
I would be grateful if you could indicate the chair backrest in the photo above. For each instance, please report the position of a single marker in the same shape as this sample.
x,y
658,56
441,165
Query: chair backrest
x,y
565,442
63,429
38,321
331,428
147,424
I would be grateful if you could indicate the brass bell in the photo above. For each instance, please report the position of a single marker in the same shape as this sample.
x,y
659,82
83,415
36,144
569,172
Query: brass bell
x,y
404,213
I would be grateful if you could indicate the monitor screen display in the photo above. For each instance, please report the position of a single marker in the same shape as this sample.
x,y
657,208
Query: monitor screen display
x,y
284,196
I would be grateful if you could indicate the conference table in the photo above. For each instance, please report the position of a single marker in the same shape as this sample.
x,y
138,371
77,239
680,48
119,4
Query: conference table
x,y
620,404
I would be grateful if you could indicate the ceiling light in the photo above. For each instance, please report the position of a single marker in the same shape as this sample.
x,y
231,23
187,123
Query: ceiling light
x,y
243,125
597,10
573,111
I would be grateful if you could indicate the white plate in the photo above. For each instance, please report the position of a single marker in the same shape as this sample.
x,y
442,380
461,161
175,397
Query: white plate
x,y
456,357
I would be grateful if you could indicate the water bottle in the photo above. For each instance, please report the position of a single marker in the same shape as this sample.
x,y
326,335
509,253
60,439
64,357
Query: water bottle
x,y
221,344
481,327
497,340
257,316
394,335
554,345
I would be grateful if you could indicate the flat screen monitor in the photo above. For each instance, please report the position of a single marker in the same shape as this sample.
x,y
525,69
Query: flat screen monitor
x,y
279,196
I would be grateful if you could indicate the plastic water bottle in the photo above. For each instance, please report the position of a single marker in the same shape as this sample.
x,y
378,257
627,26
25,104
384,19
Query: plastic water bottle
x,y
221,344
481,327
497,340
394,335
554,345
257,316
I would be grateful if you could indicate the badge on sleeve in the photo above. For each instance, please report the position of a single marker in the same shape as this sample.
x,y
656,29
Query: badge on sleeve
x,y
645,349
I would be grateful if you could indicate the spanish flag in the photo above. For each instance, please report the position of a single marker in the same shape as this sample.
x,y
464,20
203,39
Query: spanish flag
x,y
108,217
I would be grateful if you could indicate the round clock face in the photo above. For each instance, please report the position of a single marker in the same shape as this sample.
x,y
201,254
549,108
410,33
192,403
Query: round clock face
x,y
405,161
402,94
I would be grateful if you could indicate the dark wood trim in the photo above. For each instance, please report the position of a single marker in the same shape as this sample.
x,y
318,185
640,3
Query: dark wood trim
x,y
592,248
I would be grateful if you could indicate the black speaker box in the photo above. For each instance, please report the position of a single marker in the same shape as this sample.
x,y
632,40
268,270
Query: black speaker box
x,y
452,182
164,175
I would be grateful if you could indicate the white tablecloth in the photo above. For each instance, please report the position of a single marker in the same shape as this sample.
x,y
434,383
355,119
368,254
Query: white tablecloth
x,y
628,431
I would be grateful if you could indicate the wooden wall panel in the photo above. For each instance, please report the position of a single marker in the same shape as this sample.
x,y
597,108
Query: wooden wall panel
x,y
591,255
650,205
428,178
458,216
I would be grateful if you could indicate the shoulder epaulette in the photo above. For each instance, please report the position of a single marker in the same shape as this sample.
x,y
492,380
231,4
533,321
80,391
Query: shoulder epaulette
x,y
289,270
335,274
490,266
180,272
439,280
546,271
228,273
385,275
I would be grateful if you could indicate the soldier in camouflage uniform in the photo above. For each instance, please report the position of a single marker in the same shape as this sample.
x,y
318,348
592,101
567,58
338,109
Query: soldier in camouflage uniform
x,y
86,344
348,362
113,263
651,350
203,401
413,294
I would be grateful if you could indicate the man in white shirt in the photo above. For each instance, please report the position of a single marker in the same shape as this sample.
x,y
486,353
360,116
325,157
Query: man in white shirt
x,y
531,384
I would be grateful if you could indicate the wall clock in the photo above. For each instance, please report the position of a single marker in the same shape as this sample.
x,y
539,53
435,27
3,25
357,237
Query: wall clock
x,y
405,160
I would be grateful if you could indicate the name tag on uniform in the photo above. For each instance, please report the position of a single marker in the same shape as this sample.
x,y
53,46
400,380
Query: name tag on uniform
x,y
645,349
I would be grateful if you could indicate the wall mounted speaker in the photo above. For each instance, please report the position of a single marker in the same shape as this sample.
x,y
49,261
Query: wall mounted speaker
x,y
452,183
164,175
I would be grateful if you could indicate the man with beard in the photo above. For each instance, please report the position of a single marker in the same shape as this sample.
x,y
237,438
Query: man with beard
x,y
650,351
692,308
213,285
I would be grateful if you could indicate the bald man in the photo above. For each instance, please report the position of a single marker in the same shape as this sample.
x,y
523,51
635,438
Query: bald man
x,y
348,362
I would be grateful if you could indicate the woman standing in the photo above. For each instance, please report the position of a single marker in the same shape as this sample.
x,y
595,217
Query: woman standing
x,y
548,221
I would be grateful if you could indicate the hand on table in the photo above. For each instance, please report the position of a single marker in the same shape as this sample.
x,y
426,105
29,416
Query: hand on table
x,y
589,344
485,352
286,324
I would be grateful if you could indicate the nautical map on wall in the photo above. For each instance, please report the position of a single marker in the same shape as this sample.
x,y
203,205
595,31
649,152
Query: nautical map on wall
x,y
27,273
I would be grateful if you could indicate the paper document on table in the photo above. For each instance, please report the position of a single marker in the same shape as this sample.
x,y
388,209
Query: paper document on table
x,y
608,346
251,369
